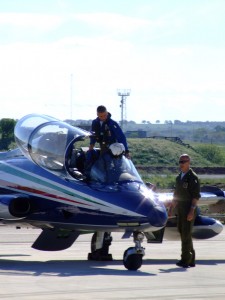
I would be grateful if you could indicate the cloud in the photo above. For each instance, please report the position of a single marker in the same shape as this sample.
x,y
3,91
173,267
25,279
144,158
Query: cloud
x,y
21,21
153,56
112,21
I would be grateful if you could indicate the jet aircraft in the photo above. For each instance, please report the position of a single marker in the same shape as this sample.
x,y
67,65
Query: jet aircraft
x,y
48,183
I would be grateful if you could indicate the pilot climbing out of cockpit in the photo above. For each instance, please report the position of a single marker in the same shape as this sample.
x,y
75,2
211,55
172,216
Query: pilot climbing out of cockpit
x,y
106,131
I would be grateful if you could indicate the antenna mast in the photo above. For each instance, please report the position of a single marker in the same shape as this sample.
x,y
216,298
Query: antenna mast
x,y
123,93
71,96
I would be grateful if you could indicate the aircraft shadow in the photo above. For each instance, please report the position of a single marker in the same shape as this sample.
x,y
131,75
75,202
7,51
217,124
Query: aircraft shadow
x,y
172,261
179,269
64,268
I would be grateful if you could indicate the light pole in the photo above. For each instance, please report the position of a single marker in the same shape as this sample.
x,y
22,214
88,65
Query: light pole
x,y
71,96
123,93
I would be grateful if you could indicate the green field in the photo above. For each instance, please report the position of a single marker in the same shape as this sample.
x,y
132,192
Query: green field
x,y
150,154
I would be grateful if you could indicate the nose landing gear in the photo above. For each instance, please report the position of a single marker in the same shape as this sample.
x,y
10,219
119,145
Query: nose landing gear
x,y
132,257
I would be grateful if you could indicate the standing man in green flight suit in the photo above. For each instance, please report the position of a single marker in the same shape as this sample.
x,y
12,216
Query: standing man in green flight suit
x,y
186,195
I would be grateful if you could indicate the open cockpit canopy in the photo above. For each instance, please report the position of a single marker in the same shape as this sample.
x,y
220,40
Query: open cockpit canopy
x,y
45,140
60,148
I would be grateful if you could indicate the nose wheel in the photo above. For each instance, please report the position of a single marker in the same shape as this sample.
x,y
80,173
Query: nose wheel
x,y
132,257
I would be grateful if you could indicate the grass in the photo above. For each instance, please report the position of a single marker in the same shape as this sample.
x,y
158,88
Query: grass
x,y
164,153
167,181
153,152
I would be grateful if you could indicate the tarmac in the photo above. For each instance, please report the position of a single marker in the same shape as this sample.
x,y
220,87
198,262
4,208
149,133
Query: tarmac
x,y
28,274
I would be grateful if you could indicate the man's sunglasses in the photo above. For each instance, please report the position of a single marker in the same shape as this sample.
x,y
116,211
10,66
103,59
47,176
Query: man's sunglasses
x,y
183,161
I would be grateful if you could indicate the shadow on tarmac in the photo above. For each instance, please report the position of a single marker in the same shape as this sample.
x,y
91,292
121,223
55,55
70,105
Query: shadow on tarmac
x,y
172,261
66,268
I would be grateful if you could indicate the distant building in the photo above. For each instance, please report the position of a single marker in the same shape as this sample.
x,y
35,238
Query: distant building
x,y
84,126
136,134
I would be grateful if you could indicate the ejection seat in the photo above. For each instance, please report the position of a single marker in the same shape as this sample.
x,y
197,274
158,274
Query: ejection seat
x,y
77,164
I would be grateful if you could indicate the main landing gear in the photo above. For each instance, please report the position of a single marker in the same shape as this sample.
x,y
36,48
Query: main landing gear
x,y
100,243
132,257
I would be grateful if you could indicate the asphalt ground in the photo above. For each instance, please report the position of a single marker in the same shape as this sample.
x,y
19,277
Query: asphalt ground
x,y
26,273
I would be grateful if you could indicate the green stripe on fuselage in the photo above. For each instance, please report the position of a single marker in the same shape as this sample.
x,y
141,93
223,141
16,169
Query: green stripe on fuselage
x,y
31,177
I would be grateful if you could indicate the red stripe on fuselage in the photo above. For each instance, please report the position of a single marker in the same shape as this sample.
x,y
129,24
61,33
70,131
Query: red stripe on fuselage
x,y
38,192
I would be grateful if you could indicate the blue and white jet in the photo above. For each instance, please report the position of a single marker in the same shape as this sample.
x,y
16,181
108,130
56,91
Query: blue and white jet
x,y
48,183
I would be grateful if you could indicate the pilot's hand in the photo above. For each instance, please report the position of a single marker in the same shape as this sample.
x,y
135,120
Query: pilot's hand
x,y
191,214
172,205
127,154
91,147
170,211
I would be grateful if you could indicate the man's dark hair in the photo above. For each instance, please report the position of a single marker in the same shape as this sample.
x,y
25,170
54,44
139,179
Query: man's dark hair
x,y
101,109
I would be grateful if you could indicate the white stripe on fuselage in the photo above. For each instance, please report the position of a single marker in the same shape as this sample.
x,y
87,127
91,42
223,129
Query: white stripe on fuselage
x,y
57,191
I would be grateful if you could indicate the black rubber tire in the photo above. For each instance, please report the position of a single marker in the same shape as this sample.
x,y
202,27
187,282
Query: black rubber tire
x,y
133,262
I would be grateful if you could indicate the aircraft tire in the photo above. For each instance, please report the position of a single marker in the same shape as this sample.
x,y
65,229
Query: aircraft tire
x,y
133,261
93,242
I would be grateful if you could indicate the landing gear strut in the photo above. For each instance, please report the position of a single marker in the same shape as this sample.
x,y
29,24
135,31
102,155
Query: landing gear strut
x,y
132,257
100,243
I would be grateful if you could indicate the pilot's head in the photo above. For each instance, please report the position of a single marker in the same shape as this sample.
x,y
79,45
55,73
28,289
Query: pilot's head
x,y
102,113
184,162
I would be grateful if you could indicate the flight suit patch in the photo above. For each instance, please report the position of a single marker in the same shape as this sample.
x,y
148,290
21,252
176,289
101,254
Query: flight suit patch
x,y
185,185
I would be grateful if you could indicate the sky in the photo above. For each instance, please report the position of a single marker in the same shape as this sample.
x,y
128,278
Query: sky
x,y
63,58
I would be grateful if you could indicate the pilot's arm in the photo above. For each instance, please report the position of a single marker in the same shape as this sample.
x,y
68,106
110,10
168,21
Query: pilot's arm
x,y
191,213
92,143
93,137
195,188
120,136
172,206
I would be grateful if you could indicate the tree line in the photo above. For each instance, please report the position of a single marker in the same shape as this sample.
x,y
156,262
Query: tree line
x,y
7,140
202,132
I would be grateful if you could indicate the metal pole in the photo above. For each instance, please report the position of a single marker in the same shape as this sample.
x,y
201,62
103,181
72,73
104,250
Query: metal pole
x,y
123,94
71,96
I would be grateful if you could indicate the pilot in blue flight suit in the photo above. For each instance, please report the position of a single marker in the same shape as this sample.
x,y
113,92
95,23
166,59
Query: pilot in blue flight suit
x,y
106,131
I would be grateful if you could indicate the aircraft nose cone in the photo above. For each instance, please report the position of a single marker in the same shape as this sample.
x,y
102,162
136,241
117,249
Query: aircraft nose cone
x,y
158,216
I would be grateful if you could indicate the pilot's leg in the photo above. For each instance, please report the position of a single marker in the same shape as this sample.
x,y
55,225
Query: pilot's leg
x,y
192,263
100,246
187,250
186,242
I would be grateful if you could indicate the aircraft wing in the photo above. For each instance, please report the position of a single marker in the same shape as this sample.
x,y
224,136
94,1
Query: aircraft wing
x,y
209,195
